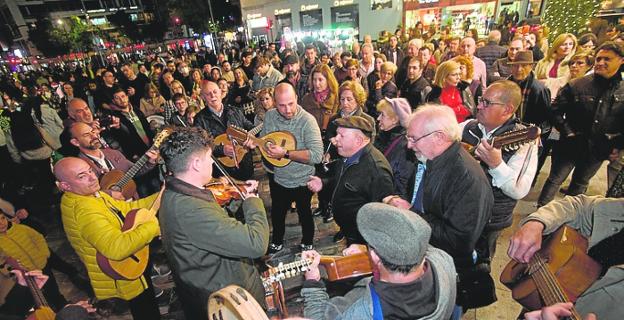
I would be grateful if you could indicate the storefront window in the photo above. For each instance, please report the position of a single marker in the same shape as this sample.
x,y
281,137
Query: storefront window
x,y
468,16
535,8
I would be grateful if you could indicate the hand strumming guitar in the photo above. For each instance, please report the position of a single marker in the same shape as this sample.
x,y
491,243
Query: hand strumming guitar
x,y
491,156
555,312
526,241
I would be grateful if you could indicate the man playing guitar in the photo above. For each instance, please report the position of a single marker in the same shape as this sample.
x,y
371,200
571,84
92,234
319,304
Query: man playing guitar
x,y
102,160
289,183
92,221
215,118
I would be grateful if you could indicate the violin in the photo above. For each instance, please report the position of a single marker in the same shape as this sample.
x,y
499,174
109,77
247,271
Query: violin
x,y
224,192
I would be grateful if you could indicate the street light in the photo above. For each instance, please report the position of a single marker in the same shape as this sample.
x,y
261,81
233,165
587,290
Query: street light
x,y
59,21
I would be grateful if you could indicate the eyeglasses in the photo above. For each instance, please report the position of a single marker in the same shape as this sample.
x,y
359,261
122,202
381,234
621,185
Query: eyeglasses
x,y
487,103
413,140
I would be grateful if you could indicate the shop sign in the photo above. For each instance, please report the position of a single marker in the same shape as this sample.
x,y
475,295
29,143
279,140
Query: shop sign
x,y
261,22
309,7
345,16
311,20
381,4
282,11
427,1
339,3
253,16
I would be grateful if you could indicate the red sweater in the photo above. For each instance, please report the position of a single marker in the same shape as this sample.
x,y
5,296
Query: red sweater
x,y
451,97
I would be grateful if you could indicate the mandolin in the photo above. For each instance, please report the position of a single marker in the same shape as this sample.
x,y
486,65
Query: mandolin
x,y
282,138
42,308
117,180
239,150
337,268
560,272
133,266
509,140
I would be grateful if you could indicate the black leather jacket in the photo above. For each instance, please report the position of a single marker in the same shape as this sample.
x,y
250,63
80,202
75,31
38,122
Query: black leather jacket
x,y
592,109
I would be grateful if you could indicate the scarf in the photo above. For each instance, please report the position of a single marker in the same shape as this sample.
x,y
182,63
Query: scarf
x,y
321,96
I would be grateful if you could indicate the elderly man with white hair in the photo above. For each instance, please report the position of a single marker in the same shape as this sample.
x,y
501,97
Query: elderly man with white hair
x,y
450,191
413,48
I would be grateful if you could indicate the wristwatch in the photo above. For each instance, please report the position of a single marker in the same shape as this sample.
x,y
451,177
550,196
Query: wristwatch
x,y
287,154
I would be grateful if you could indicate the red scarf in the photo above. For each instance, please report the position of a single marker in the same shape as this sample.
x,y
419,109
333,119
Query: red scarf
x,y
321,96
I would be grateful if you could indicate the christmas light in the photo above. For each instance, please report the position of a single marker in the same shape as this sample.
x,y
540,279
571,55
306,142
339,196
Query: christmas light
x,y
569,16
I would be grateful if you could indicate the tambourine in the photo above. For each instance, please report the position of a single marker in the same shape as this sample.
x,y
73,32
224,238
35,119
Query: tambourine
x,y
234,303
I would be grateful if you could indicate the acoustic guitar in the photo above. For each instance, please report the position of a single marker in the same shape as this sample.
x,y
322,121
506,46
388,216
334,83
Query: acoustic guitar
x,y
560,272
509,140
123,182
42,308
337,268
283,139
239,150
132,267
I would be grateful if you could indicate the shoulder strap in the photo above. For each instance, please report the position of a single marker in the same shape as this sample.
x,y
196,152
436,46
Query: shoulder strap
x,y
377,313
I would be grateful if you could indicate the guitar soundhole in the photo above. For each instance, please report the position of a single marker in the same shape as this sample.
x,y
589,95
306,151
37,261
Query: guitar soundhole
x,y
241,293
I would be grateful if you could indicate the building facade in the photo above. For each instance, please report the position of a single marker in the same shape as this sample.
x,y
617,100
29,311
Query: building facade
x,y
19,15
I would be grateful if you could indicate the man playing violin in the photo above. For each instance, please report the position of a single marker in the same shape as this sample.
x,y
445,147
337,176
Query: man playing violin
x,y
411,279
215,118
510,172
92,221
289,183
207,249
600,221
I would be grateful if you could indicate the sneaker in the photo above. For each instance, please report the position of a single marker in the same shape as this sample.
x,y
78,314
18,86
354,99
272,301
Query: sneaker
x,y
317,212
160,271
328,218
275,248
306,247
339,236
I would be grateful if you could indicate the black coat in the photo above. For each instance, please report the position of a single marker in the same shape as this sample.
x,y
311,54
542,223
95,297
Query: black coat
x,y
592,108
216,125
128,137
458,201
415,92
401,159
535,106
368,179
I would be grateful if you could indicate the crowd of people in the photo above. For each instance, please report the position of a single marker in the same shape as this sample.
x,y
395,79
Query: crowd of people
x,y
400,142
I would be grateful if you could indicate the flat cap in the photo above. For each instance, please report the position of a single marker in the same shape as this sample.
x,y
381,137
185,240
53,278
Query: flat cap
x,y
291,59
356,122
399,236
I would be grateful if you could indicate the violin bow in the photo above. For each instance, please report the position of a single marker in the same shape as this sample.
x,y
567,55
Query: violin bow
x,y
228,177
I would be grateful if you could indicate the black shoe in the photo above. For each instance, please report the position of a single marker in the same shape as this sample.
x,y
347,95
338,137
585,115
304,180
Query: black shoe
x,y
306,247
339,236
275,248
328,218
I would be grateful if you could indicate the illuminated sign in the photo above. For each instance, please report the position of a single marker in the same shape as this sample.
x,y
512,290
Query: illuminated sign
x,y
338,3
282,11
309,7
261,22
253,16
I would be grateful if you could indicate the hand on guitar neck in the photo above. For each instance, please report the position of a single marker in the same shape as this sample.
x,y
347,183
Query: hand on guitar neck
x,y
555,312
37,275
526,241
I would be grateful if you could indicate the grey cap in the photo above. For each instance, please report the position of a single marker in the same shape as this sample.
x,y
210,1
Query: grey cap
x,y
399,236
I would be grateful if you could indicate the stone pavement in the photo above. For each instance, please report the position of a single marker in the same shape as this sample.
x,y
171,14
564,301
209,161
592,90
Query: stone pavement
x,y
505,308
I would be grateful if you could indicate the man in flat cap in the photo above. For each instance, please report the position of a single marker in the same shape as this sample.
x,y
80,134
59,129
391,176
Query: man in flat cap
x,y
412,280
292,75
362,176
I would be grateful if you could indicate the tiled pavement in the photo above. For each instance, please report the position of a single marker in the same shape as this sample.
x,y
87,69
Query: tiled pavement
x,y
504,308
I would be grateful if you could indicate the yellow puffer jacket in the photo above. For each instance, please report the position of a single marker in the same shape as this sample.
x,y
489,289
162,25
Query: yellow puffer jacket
x,y
91,227
26,246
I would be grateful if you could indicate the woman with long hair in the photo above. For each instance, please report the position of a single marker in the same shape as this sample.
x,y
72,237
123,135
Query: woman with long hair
x,y
553,69
264,103
372,78
240,94
448,89
322,101
467,71
153,101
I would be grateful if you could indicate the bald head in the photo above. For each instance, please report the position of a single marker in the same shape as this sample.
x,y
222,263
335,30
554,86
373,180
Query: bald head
x,y
78,110
467,47
286,100
75,175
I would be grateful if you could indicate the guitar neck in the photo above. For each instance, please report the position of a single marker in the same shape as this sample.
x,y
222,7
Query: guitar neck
x,y
40,300
129,175
289,270
547,284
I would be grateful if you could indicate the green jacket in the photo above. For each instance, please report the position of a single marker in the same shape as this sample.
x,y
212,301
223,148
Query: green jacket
x,y
207,249
596,218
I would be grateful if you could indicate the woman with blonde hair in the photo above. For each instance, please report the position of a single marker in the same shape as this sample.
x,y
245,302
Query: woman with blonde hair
x,y
264,103
383,88
322,100
240,94
467,70
153,101
553,69
449,89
